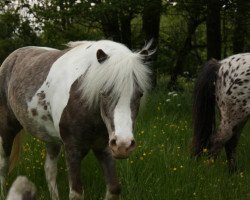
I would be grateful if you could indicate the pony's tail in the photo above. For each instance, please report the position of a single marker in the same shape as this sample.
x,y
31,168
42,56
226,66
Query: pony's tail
x,y
204,107
16,150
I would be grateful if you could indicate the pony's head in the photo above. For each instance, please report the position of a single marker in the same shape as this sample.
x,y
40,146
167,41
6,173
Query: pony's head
x,y
115,84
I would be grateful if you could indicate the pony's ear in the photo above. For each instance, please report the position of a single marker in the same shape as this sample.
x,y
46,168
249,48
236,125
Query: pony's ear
x,y
101,56
147,52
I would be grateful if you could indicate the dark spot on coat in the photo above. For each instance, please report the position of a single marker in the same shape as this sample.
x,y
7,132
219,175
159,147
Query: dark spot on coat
x,y
238,81
44,118
45,107
225,74
241,93
238,59
235,75
244,62
237,67
42,103
247,74
224,82
246,81
49,117
231,79
242,73
244,102
229,64
229,92
34,111
41,95
232,58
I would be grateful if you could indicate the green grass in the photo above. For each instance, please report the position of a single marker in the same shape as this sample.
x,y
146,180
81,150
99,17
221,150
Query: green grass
x,y
160,168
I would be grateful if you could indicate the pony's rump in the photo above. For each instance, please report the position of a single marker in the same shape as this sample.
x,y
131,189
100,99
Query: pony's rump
x,y
204,106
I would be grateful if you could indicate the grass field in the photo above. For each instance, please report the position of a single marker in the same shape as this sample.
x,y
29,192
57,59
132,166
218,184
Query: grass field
x,y
160,168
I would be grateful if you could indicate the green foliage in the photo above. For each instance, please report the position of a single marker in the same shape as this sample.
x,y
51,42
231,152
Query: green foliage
x,y
15,33
54,23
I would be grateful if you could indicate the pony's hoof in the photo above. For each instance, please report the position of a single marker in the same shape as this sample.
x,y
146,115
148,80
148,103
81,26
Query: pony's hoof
x,y
75,196
110,196
232,168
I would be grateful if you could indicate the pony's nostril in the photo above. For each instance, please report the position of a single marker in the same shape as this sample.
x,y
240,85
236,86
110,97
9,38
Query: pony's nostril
x,y
112,142
132,145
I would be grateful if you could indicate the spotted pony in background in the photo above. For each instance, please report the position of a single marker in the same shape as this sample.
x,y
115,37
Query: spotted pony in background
x,y
227,84
86,98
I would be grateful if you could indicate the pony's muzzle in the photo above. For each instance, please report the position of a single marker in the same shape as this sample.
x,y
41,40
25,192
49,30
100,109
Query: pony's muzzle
x,y
121,148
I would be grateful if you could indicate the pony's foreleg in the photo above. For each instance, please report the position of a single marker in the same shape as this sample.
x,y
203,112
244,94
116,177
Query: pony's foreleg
x,y
3,169
74,156
108,166
6,145
50,167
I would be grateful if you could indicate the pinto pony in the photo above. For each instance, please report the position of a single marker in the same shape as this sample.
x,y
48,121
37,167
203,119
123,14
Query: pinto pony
x,y
226,84
85,98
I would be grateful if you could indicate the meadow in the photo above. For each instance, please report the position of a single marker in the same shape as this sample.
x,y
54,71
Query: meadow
x,y
160,168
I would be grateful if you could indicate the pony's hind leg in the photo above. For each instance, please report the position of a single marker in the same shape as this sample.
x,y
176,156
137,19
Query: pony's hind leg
x,y
9,127
108,167
218,141
227,136
230,147
50,167
3,168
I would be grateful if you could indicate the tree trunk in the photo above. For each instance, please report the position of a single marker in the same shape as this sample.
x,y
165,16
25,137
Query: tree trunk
x,y
213,29
125,21
151,27
240,27
110,26
193,23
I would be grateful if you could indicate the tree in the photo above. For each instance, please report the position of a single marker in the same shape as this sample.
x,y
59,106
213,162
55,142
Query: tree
x,y
115,18
241,25
194,13
151,27
213,29
16,31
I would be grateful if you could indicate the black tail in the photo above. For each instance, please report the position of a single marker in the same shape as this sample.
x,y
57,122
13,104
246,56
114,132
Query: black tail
x,y
204,107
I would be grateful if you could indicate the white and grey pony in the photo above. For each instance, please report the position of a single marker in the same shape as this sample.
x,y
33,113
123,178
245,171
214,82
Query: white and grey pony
x,y
85,97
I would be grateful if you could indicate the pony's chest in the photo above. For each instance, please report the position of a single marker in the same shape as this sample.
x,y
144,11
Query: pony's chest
x,y
39,110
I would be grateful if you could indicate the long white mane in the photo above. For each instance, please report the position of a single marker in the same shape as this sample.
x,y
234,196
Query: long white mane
x,y
117,75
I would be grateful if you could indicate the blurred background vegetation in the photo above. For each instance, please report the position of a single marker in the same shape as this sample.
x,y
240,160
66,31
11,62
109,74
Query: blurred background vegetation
x,y
186,33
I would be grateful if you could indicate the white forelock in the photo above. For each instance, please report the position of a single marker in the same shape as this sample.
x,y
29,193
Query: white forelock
x,y
116,75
